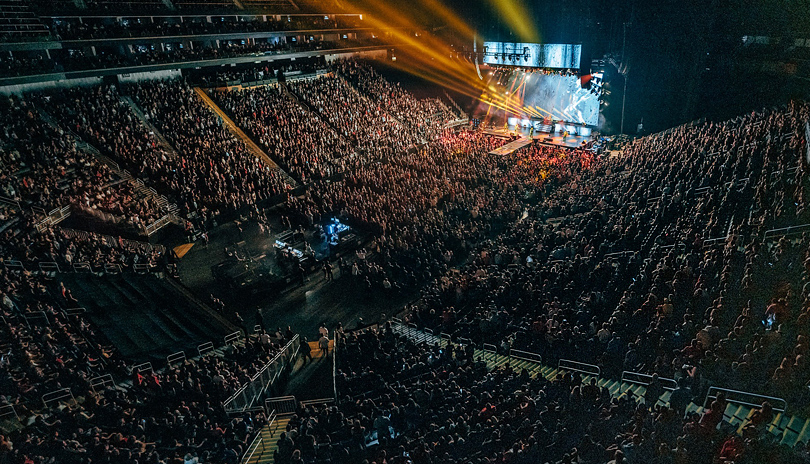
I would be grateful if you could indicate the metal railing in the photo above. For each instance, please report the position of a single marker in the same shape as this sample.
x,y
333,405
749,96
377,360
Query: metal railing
x,y
204,349
745,398
251,392
102,382
638,378
335,337
7,410
143,367
281,404
57,396
581,367
176,358
775,233
258,446
526,355
157,225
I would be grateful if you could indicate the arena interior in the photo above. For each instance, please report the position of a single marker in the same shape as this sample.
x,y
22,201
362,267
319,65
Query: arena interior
x,y
404,232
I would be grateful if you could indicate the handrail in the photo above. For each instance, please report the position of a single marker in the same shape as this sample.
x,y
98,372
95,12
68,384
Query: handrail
x,y
576,366
259,441
57,396
205,349
8,410
179,357
334,364
786,230
644,379
525,355
247,395
285,404
731,398
143,367
101,382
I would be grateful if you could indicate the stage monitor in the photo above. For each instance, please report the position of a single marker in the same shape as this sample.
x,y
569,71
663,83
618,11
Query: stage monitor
x,y
554,56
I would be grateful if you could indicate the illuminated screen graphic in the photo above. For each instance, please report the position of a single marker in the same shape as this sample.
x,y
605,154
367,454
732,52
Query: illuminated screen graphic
x,y
555,56
560,97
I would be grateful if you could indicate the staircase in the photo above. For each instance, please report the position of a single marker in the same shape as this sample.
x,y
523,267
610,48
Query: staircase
x,y
787,430
267,445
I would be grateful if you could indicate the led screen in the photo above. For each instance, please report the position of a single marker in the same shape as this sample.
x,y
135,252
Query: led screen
x,y
556,56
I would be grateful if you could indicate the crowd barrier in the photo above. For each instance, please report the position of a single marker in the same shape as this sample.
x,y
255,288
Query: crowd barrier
x,y
281,404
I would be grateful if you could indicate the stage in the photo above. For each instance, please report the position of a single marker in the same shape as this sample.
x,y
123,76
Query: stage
x,y
557,139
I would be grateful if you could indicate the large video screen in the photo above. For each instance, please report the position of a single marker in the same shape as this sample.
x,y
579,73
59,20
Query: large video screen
x,y
556,56
560,97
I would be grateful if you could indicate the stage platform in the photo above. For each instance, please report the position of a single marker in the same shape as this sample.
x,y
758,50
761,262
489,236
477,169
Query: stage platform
x,y
555,139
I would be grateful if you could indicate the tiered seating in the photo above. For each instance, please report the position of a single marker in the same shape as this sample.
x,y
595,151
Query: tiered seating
x,y
18,23
301,142
43,167
423,117
337,103
214,172
204,5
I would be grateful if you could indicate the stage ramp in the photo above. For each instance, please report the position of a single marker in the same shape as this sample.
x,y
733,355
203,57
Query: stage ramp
x,y
511,147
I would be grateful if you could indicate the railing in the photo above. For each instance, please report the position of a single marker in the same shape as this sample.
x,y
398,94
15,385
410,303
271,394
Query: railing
x,y
247,396
8,201
49,266
143,367
14,265
157,225
334,364
57,396
258,444
204,349
638,378
774,233
35,316
7,410
176,358
55,216
281,404
232,338
490,350
525,355
745,398
576,366
102,382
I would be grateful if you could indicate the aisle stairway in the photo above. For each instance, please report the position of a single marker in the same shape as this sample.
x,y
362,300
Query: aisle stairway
x,y
787,430
271,433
